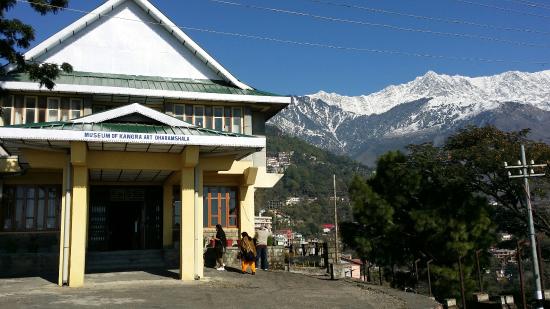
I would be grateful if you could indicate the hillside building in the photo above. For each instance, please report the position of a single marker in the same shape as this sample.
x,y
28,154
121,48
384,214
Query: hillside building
x,y
263,221
148,144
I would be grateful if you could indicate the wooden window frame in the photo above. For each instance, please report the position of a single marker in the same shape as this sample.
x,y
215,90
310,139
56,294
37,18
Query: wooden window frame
x,y
214,117
48,108
80,110
176,115
209,118
226,117
189,117
208,199
241,125
11,106
23,215
25,108
195,107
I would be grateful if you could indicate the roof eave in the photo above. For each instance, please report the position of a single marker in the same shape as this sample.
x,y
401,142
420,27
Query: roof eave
x,y
107,90
40,134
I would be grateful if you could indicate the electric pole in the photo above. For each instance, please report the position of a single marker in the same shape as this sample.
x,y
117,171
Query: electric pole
x,y
335,223
526,171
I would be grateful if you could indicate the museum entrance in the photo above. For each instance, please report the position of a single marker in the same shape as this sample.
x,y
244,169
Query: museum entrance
x,y
125,218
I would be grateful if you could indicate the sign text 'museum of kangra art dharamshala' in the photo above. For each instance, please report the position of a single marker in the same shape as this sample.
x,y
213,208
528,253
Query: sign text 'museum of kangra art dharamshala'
x,y
136,136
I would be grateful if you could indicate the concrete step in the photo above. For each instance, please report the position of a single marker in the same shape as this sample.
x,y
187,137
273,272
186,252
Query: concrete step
x,y
131,259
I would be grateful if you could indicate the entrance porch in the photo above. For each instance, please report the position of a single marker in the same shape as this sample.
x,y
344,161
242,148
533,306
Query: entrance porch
x,y
118,183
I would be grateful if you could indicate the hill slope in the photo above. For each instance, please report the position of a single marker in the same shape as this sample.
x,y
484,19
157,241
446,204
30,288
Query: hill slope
x,y
309,177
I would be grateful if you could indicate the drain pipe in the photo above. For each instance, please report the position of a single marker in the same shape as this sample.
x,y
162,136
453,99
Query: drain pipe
x,y
197,224
67,223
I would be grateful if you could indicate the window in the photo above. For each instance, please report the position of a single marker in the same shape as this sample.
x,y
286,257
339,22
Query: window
x,y
218,118
30,109
176,207
30,208
199,116
237,120
53,109
98,108
7,110
220,207
179,111
189,114
18,112
75,110
227,119
208,114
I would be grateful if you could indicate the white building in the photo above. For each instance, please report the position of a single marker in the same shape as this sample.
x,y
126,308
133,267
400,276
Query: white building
x,y
261,221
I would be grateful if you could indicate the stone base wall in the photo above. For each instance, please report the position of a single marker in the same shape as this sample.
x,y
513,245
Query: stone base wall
x,y
231,234
29,243
28,264
276,257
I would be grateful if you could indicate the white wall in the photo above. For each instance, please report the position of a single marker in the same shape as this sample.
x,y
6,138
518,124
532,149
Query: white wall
x,y
111,45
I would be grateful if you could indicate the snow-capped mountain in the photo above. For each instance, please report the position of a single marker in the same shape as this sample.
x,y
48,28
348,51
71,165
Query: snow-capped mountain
x,y
428,108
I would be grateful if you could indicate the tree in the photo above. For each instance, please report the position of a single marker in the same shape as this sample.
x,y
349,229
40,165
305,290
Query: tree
x,y
482,152
16,35
420,205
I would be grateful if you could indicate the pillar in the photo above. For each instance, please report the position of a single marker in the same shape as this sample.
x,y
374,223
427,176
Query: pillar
x,y
167,215
187,228
189,253
199,225
246,196
79,214
62,225
246,213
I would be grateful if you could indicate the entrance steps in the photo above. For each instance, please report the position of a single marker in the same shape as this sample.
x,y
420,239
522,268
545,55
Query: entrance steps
x,y
124,260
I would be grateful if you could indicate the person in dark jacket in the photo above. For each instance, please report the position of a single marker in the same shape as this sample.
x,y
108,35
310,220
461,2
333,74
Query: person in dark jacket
x,y
220,241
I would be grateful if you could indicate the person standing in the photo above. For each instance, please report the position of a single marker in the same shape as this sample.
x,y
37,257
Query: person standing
x,y
247,253
220,241
261,247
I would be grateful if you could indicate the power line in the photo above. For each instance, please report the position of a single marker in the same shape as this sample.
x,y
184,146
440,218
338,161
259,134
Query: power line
x,y
319,45
504,9
387,26
531,4
430,18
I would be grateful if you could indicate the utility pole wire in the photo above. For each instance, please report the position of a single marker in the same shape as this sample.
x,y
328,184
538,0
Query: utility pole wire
x,y
321,45
386,26
451,21
504,9
531,4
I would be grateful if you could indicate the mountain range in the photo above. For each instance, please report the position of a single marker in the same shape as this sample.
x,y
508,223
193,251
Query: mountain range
x,y
426,109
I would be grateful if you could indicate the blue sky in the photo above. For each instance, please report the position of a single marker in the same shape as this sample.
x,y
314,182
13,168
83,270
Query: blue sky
x,y
298,70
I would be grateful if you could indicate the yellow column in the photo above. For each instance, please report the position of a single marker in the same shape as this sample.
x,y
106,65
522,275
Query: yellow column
x,y
62,228
246,214
188,252
199,226
167,214
187,228
79,214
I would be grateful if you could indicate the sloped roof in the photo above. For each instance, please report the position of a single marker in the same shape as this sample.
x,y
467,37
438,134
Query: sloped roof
x,y
130,109
144,82
172,28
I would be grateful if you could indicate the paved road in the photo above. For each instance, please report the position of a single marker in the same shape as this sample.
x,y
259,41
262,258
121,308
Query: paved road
x,y
217,290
